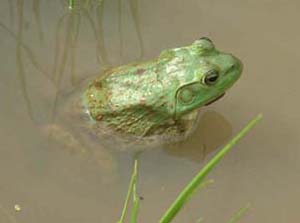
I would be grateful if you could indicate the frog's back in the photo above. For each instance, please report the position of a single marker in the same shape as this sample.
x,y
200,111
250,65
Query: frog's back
x,y
77,121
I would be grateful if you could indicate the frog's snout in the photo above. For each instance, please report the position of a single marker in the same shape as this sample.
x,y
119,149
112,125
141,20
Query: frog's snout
x,y
236,67
232,66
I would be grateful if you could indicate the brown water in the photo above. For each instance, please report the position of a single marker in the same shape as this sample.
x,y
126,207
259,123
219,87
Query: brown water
x,y
45,50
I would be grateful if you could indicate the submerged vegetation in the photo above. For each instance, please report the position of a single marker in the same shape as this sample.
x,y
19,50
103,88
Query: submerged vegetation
x,y
71,4
195,184
63,67
71,29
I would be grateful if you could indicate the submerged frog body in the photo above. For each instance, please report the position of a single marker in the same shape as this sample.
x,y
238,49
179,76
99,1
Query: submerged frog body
x,y
161,96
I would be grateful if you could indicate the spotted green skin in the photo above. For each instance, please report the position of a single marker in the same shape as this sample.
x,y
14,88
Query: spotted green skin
x,y
152,97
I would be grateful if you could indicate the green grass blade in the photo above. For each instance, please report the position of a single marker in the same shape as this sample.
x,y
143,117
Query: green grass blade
x,y
131,188
235,218
136,199
184,196
134,215
71,4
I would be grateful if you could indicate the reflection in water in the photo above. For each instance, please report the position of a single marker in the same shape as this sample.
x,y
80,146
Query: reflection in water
x,y
11,11
19,58
37,17
120,27
212,131
135,14
133,4
95,158
65,52
57,46
64,68
72,29
100,36
29,53
59,68
72,22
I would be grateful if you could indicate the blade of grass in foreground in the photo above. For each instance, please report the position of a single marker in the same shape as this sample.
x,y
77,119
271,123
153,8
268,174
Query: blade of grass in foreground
x,y
235,218
184,196
136,199
131,189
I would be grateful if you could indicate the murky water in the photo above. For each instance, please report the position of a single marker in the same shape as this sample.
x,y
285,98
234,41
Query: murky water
x,y
46,52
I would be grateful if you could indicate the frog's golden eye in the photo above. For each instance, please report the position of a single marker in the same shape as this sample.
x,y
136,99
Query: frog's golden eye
x,y
186,95
211,77
206,38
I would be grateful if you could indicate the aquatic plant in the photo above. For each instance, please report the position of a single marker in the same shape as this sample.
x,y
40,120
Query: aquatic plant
x,y
195,184
71,4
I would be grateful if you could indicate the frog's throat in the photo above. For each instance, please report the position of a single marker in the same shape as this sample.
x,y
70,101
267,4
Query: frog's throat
x,y
215,99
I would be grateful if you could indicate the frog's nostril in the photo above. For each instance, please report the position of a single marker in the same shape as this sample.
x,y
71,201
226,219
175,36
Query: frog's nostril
x,y
235,68
231,68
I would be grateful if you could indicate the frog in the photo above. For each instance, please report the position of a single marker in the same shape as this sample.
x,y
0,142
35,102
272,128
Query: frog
x,y
161,97
143,104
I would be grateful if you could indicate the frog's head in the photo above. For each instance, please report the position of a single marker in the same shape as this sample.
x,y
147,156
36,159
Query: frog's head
x,y
213,73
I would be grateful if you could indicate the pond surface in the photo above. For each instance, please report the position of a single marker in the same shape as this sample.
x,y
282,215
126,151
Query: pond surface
x,y
46,52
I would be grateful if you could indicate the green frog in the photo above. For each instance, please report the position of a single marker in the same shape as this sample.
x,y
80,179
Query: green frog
x,y
161,97
143,105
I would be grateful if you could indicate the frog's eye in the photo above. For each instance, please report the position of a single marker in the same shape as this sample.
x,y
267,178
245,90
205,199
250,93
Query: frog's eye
x,y
186,95
206,38
211,77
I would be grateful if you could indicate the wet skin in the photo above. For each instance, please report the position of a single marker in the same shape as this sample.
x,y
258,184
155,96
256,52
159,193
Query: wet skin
x,y
154,97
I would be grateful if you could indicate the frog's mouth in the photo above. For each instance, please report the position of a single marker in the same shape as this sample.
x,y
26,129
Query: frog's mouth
x,y
215,99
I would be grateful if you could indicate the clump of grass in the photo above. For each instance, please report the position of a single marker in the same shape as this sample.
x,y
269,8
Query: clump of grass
x,y
197,182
